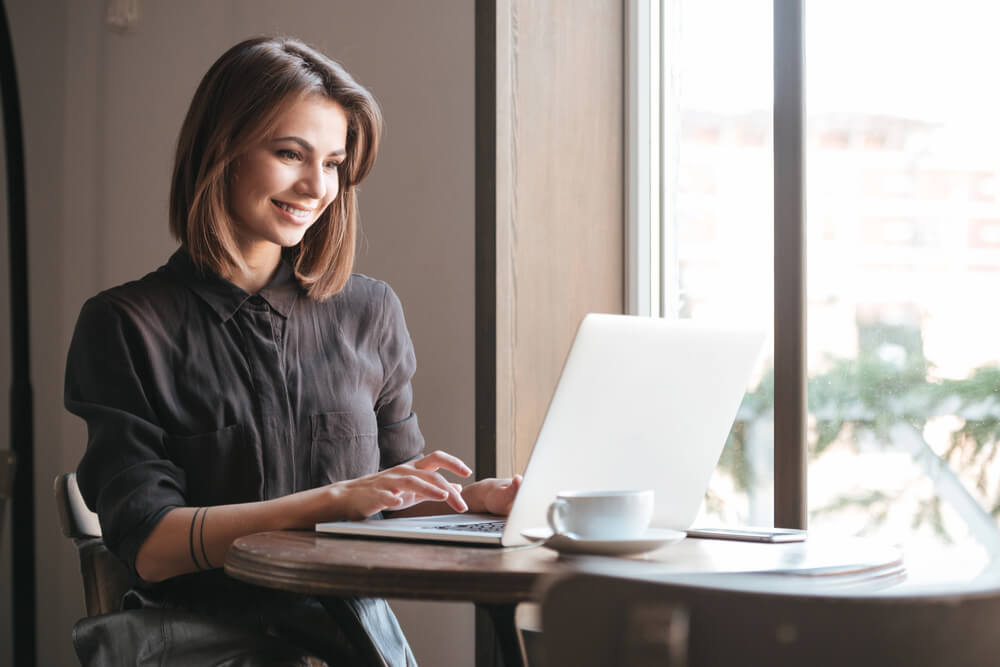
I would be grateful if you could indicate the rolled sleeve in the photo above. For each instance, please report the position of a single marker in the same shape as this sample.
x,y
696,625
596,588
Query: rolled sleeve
x,y
125,475
399,442
399,434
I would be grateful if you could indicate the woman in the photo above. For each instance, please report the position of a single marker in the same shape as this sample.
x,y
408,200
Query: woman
x,y
253,383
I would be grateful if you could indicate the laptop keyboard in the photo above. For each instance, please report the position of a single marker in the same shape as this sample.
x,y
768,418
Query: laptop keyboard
x,y
475,527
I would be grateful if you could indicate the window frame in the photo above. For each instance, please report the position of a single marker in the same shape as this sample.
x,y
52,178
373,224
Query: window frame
x,y
790,367
647,223
643,121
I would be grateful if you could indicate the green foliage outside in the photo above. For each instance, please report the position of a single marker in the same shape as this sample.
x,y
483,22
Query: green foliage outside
x,y
868,396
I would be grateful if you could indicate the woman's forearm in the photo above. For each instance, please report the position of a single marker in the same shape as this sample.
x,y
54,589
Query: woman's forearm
x,y
188,539
183,542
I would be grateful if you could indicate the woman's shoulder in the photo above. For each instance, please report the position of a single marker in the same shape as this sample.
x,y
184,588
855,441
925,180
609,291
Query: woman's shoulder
x,y
364,289
154,290
365,298
362,284
157,295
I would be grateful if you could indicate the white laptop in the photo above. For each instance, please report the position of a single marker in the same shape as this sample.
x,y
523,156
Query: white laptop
x,y
641,403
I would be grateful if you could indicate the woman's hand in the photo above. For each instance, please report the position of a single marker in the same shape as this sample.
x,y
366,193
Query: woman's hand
x,y
403,486
495,496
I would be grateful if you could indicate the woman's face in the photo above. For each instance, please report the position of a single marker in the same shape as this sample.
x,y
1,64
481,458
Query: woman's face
x,y
281,186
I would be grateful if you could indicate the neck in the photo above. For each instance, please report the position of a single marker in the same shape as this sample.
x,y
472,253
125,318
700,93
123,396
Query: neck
x,y
260,269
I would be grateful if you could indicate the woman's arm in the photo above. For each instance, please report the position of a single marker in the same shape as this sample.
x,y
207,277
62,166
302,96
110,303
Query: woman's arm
x,y
188,539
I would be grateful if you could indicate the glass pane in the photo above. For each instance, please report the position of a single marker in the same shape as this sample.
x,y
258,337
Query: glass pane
x,y
717,206
903,178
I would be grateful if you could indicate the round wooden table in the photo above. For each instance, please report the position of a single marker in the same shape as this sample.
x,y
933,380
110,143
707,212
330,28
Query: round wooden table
x,y
496,580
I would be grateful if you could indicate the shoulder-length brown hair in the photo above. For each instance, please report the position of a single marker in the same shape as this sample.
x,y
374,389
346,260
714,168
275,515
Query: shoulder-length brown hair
x,y
235,107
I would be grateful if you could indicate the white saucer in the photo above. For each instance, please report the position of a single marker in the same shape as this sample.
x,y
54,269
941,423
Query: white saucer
x,y
653,538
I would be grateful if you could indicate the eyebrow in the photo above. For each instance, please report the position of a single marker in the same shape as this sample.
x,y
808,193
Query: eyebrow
x,y
340,152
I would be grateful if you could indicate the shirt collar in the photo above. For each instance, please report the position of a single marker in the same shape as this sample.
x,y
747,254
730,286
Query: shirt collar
x,y
224,297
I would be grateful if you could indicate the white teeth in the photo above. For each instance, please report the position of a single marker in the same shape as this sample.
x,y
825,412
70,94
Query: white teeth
x,y
297,212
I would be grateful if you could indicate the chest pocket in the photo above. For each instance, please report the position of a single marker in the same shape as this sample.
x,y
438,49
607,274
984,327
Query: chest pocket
x,y
220,467
344,446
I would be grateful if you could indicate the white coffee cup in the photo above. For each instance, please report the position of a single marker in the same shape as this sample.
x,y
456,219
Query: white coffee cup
x,y
602,515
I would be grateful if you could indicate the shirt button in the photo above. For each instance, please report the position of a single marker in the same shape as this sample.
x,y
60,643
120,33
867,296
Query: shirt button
x,y
257,300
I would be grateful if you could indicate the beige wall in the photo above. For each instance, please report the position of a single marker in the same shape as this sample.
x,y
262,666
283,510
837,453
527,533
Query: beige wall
x,y
102,111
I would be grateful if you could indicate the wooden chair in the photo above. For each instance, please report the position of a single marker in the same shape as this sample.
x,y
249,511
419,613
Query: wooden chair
x,y
105,578
590,619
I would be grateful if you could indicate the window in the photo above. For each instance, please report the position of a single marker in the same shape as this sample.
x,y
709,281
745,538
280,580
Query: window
x,y
711,176
902,154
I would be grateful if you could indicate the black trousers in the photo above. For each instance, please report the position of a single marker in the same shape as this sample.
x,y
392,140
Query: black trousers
x,y
270,628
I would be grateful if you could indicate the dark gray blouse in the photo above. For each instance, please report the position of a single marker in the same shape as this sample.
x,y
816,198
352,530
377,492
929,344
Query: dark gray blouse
x,y
197,393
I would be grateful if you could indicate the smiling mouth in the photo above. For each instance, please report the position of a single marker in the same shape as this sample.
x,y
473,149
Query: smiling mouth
x,y
292,210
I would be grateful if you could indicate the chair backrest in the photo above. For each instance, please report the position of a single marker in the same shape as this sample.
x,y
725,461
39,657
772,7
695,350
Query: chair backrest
x,y
105,578
590,620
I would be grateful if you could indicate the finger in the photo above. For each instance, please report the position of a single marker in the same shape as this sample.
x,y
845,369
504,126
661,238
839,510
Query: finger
x,y
381,500
454,498
443,460
457,502
426,489
433,479
390,499
510,493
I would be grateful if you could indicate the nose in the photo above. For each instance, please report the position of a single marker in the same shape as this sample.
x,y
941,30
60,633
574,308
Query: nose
x,y
312,182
